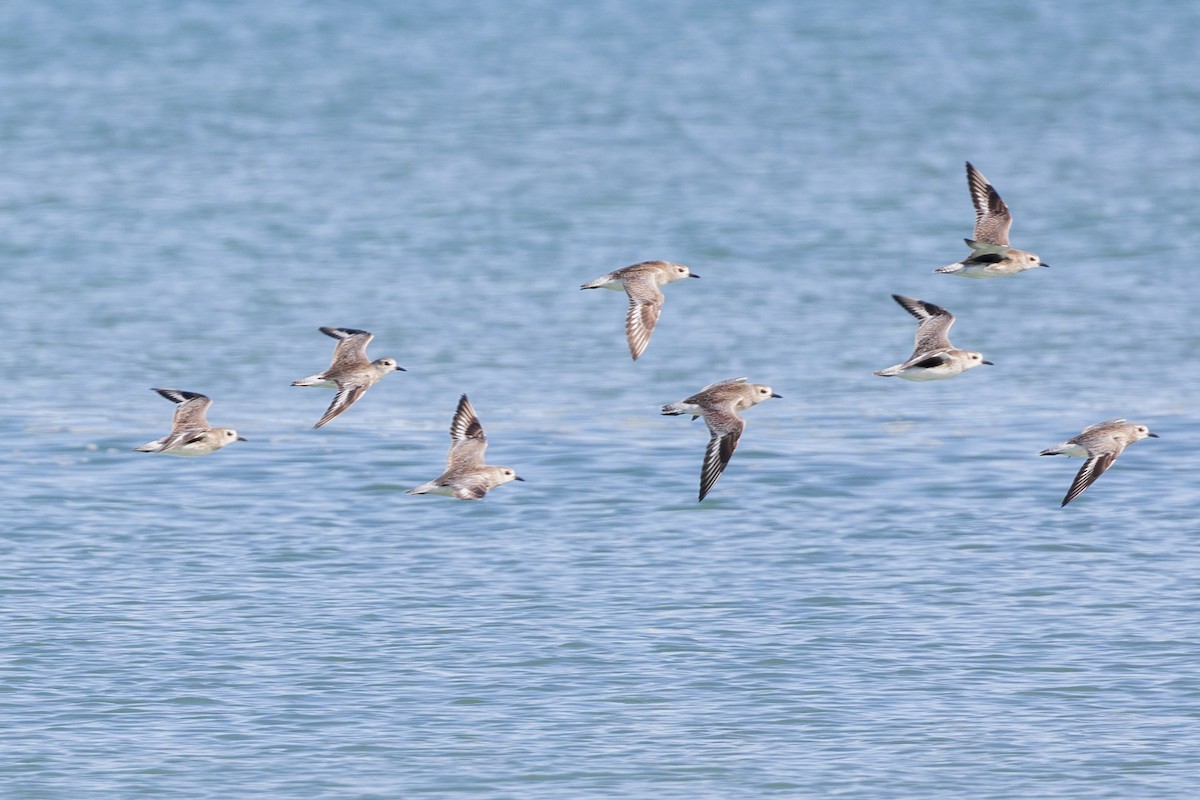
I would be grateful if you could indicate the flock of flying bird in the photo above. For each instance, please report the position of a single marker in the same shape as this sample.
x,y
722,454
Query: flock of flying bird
x,y
467,477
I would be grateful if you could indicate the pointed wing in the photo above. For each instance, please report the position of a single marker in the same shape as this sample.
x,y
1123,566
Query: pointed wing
x,y
726,428
992,219
467,439
351,350
190,411
1092,469
645,305
347,395
933,330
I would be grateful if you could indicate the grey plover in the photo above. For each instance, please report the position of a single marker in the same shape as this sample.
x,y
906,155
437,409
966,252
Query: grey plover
x,y
190,433
1100,444
933,357
991,256
641,282
350,372
466,476
719,404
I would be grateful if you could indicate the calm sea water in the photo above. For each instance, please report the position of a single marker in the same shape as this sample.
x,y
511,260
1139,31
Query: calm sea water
x,y
880,598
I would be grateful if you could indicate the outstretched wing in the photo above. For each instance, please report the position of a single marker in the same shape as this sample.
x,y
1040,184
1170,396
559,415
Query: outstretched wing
x,y
351,350
347,395
645,305
467,439
933,328
190,411
1092,469
726,429
992,218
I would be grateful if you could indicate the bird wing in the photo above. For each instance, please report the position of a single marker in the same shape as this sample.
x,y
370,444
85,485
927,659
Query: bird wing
x,y
190,411
1092,469
926,360
933,328
347,394
645,305
726,429
467,439
472,491
351,349
992,218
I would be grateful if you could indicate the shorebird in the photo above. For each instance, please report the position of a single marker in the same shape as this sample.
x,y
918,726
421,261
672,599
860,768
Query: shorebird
x,y
350,372
466,476
933,357
1100,444
719,404
991,256
190,433
641,282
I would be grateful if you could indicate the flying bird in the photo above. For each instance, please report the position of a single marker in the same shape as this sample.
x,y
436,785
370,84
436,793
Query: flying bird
x,y
991,256
350,372
933,357
190,433
1100,444
641,282
719,404
466,476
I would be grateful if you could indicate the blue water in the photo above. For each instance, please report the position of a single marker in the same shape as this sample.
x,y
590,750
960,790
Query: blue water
x,y
881,597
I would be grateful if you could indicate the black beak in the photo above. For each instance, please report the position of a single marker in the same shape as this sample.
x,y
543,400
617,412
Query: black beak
x,y
776,395
518,478
693,275
989,363
401,369
1041,264
1155,435
242,439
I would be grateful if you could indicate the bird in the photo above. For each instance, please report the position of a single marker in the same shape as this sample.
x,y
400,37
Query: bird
x,y
641,281
933,357
466,476
1100,444
190,434
719,404
350,372
991,256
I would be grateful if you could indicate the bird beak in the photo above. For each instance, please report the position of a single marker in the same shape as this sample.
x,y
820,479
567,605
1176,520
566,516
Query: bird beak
x,y
1040,264
518,478
989,363
401,369
1155,435
242,439
773,394
693,275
